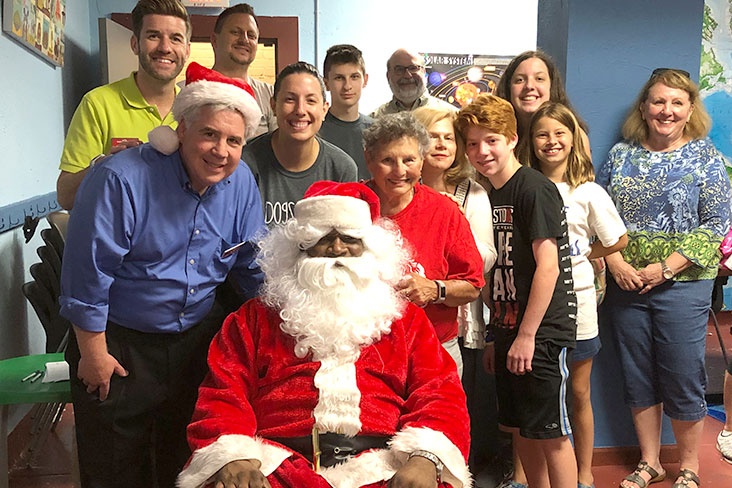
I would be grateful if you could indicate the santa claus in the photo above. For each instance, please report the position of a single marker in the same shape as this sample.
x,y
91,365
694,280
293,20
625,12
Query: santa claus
x,y
329,378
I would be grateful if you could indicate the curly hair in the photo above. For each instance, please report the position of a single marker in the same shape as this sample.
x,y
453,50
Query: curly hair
x,y
392,127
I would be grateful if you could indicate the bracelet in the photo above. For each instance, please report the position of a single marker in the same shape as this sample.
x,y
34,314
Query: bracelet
x,y
432,457
441,292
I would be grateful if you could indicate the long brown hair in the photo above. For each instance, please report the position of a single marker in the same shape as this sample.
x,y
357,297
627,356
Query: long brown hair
x,y
579,164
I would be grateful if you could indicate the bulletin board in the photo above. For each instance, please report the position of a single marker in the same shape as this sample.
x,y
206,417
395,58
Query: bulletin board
x,y
38,25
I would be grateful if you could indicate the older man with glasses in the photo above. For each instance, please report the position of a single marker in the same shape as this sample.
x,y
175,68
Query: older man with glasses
x,y
405,72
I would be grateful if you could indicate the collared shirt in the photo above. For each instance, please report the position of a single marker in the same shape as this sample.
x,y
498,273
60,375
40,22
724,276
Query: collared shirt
x,y
145,251
394,106
114,111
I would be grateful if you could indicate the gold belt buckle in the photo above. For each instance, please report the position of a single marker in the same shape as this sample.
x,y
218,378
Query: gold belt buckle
x,y
316,449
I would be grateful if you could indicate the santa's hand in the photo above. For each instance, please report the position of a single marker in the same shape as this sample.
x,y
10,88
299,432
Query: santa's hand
x,y
418,289
419,472
520,355
243,473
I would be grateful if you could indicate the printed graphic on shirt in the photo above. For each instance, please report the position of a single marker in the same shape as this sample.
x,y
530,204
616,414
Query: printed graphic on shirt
x,y
504,306
276,213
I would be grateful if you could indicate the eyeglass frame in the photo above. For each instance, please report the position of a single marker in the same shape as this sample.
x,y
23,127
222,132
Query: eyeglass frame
x,y
413,69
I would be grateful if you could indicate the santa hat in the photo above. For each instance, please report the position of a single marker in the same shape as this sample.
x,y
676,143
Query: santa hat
x,y
205,87
332,205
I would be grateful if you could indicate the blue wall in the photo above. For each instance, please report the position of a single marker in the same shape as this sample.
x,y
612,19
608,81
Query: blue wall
x,y
38,101
609,50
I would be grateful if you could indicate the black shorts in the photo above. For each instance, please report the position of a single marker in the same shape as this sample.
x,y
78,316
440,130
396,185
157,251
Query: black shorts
x,y
536,403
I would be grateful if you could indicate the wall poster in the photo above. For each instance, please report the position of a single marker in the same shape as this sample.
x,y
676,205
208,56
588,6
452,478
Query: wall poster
x,y
38,25
459,78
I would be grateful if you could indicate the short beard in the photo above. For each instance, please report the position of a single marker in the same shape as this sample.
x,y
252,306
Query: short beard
x,y
245,64
332,306
407,94
146,65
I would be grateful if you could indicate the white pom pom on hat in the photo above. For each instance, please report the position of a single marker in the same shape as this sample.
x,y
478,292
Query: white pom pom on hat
x,y
204,87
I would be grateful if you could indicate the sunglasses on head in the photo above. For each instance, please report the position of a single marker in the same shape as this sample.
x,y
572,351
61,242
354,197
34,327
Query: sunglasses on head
x,y
658,71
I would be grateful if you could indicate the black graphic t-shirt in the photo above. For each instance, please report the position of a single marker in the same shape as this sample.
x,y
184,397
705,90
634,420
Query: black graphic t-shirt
x,y
526,208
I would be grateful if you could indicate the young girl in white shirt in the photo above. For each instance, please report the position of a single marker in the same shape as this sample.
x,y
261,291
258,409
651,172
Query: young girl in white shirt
x,y
595,230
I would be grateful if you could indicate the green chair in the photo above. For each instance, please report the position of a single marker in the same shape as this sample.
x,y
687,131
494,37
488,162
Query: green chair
x,y
13,391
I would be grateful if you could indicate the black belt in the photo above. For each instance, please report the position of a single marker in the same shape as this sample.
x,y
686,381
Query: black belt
x,y
330,448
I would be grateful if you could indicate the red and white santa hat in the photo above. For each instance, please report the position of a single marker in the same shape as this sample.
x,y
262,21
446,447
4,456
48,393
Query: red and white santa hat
x,y
206,87
343,206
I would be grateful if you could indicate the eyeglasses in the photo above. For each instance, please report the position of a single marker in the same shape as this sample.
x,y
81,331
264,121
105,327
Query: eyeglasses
x,y
658,71
412,68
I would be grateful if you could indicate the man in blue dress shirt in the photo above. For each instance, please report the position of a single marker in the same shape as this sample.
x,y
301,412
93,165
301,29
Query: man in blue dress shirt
x,y
149,240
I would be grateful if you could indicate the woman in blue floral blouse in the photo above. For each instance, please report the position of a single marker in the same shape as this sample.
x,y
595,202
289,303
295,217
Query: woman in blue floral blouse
x,y
670,187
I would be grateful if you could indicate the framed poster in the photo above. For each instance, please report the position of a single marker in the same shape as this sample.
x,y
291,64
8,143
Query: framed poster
x,y
458,78
38,25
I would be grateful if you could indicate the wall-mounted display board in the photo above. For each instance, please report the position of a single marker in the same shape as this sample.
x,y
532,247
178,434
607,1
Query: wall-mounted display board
x,y
459,78
38,25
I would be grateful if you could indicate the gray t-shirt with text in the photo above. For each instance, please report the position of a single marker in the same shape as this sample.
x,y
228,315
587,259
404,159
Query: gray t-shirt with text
x,y
280,188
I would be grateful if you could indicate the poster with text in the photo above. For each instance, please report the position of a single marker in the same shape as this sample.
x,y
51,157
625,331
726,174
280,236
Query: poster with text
x,y
459,78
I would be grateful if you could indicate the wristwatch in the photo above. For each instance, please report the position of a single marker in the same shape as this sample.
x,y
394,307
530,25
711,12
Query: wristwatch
x,y
441,292
433,458
666,271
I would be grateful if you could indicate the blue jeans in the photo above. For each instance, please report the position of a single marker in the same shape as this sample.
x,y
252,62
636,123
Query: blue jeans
x,y
661,340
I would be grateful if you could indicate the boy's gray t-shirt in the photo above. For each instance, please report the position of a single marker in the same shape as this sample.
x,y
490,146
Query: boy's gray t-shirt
x,y
349,137
280,188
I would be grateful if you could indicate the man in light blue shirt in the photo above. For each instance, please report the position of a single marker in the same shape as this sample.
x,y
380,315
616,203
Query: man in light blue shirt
x,y
153,233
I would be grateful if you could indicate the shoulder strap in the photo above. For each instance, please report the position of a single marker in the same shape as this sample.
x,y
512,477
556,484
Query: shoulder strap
x,y
461,192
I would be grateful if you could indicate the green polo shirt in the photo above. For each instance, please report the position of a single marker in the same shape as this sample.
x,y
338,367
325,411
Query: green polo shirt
x,y
108,112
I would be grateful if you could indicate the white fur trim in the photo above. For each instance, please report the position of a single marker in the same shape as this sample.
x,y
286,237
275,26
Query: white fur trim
x,y
339,397
333,211
205,92
412,439
207,461
369,467
164,138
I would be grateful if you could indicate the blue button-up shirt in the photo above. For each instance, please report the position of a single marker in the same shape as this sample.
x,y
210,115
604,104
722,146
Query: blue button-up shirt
x,y
145,251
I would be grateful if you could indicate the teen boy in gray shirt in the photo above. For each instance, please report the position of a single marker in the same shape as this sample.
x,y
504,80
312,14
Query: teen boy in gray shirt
x,y
345,77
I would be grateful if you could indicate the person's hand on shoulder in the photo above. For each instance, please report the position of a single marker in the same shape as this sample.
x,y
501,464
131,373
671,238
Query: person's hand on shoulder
x,y
418,289
243,473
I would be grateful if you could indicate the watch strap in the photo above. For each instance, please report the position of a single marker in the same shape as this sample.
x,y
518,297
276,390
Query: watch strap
x,y
432,457
441,291
666,271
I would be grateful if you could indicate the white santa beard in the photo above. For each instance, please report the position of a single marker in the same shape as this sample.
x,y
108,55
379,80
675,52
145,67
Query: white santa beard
x,y
334,306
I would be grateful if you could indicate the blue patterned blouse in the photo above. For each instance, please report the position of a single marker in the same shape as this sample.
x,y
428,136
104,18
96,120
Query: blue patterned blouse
x,y
671,201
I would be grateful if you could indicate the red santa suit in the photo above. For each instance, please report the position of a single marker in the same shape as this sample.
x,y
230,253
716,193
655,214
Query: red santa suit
x,y
404,386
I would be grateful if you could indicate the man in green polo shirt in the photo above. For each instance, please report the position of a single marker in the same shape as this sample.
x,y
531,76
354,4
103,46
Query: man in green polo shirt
x,y
114,117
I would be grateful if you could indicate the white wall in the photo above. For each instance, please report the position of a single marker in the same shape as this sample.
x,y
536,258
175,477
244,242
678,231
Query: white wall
x,y
379,27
